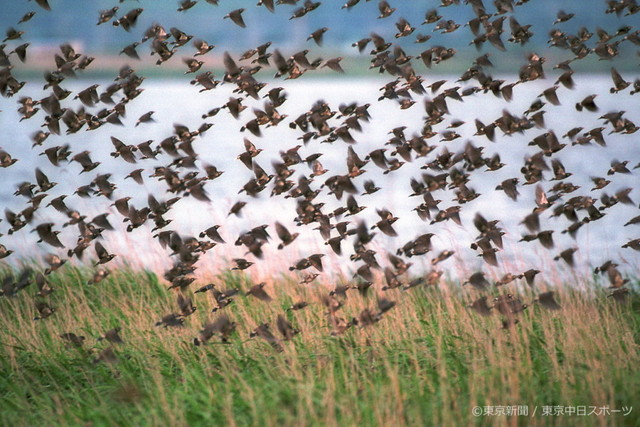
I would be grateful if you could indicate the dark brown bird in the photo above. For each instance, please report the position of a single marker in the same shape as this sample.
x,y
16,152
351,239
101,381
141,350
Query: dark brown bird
x,y
618,167
318,35
128,20
241,264
481,306
285,236
509,187
334,64
478,281
547,300
405,29
385,9
107,15
98,276
12,34
43,181
107,355
431,17
213,234
44,288
285,328
519,33
530,275
185,305
362,44
632,244
73,339
619,83
269,4
236,209
259,292
48,235
264,331
123,150
508,305
567,256
202,47
186,5
26,17
145,118
192,64
6,160
54,261
222,326
314,260
551,95
103,255
236,17
588,103
44,310
85,161
21,51
620,295
172,319
130,50
113,336
385,223
562,16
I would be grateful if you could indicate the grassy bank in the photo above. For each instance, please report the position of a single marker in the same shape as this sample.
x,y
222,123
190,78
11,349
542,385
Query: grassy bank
x,y
428,360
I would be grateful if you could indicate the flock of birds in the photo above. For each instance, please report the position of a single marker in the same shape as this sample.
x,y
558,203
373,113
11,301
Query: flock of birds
x,y
175,164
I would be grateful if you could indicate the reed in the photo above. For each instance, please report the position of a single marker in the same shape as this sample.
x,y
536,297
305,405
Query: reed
x,y
428,361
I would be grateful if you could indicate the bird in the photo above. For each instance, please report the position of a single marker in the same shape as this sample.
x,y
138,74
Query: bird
x,y
44,310
73,339
145,118
192,64
563,16
171,319
103,255
186,5
222,326
334,64
236,17
85,161
478,281
619,84
530,275
285,236
6,159
259,292
27,17
285,328
481,306
318,35
48,235
547,300
385,9
106,355
588,103
107,15
618,167
130,50
264,331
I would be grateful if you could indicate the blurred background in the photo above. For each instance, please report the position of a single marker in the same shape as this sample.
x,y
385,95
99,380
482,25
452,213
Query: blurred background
x,y
74,21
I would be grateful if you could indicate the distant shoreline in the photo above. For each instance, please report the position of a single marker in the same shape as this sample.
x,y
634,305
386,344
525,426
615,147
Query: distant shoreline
x,y
108,66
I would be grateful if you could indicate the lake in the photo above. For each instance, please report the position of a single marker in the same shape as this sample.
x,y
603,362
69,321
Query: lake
x,y
175,101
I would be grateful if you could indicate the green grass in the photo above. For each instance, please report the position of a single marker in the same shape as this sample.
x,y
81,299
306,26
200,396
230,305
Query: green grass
x,y
428,361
